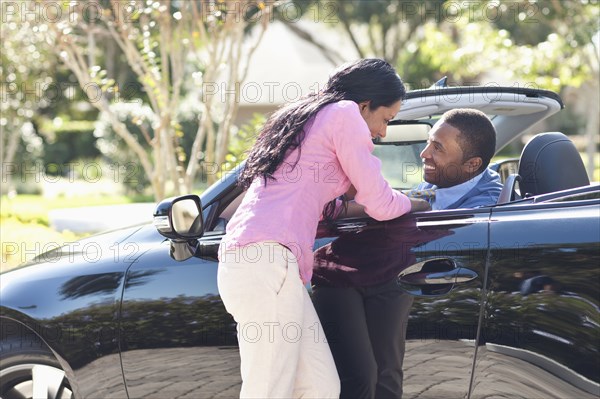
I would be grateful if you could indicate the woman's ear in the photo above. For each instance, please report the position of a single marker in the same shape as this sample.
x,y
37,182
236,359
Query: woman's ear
x,y
364,105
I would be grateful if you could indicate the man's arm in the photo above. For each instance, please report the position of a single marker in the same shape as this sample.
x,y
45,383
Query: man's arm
x,y
357,210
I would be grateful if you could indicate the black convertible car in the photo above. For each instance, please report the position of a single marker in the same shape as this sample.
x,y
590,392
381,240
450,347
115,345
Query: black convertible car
x,y
506,296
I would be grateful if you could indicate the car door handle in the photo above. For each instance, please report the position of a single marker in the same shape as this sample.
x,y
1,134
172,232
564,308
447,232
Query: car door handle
x,y
436,271
455,276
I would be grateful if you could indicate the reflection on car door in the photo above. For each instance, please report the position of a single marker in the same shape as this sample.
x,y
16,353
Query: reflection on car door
x,y
542,313
442,329
177,340
443,322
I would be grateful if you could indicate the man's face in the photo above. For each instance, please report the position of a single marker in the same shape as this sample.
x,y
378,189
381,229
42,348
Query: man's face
x,y
443,163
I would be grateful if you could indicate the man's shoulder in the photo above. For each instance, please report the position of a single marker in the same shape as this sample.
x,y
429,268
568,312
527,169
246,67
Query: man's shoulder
x,y
485,193
490,180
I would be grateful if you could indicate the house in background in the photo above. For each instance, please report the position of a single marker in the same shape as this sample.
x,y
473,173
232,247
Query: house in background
x,y
285,66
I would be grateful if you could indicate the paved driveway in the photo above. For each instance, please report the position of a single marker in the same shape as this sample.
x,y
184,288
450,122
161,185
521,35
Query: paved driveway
x,y
213,372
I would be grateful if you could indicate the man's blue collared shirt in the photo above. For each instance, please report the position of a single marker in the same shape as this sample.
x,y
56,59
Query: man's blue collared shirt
x,y
482,190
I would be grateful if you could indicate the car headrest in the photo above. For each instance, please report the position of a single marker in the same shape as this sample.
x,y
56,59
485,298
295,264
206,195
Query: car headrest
x,y
550,162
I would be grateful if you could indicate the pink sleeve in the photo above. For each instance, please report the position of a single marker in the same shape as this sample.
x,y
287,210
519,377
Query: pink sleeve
x,y
353,146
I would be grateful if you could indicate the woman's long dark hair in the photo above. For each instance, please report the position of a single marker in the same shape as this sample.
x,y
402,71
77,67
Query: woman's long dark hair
x,y
371,80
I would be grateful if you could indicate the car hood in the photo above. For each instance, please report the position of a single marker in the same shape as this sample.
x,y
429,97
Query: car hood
x,y
86,249
87,271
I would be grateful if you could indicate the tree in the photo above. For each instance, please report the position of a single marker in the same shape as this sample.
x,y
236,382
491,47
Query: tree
x,y
549,45
376,28
558,34
175,48
566,41
27,84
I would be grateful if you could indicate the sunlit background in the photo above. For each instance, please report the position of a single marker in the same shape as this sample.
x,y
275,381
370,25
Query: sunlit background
x,y
107,103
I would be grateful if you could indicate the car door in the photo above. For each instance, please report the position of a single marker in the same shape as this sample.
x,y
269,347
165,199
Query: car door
x,y
542,321
177,340
441,256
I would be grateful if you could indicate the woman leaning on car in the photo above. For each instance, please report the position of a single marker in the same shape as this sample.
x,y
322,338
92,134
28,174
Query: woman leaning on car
x,y
307,154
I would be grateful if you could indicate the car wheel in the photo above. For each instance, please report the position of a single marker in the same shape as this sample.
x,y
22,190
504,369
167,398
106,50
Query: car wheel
x,y
31,373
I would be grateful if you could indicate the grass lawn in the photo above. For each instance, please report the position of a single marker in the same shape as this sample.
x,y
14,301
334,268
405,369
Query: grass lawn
x,y
21,242
35,208
24,225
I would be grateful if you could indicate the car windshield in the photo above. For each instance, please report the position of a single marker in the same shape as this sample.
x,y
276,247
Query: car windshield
x,y
401,164
399,152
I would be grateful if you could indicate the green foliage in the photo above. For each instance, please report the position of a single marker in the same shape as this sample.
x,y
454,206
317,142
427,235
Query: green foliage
x,y
139,120
67,141
546,45
567,122
531,23
26,66
377,28
242,141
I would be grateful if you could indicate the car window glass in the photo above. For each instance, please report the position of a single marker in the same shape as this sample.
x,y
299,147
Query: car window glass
x,y
506,168
220,223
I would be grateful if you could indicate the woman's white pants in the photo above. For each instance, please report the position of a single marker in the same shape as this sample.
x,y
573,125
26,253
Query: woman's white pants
x,y
283,350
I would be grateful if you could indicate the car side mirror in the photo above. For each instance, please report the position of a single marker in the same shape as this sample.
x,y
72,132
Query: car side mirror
x,y
180,220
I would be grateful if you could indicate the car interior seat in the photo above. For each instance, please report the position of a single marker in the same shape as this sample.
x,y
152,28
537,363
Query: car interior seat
x,y
549,162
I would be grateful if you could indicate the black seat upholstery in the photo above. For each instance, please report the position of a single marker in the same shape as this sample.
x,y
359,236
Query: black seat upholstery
x,y
550,162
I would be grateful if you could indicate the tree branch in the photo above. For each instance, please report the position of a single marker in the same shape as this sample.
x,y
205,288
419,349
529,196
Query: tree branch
x,y
331,55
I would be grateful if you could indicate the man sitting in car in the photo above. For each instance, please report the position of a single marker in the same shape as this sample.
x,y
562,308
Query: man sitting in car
x,y
455,161
363,310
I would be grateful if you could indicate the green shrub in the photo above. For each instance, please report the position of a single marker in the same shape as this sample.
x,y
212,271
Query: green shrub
x,y
67,142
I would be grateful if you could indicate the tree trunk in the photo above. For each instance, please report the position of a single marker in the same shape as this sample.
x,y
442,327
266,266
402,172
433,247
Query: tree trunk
x,y
7,154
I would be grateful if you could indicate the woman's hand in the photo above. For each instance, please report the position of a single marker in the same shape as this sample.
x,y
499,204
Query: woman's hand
x,y
417,205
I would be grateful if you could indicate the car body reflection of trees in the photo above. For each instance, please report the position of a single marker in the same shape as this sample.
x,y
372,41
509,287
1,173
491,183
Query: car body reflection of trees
x,y
194,337
559,319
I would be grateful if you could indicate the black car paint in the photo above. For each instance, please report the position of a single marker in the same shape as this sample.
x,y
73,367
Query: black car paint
x,y
491,91
139,323
70,300
542,294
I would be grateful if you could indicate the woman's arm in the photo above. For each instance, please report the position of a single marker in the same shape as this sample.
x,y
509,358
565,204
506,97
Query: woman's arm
x,y
353,147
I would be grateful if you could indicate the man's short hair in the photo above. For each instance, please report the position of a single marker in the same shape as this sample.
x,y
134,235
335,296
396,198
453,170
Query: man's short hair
x,y
477,133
